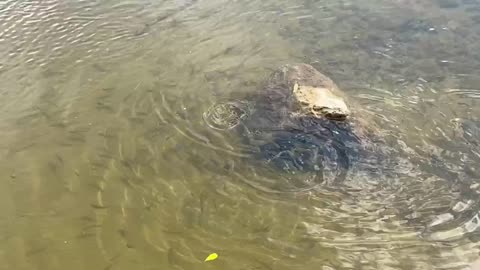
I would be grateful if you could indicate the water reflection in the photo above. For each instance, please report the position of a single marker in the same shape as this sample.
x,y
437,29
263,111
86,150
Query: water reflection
x,y
107,162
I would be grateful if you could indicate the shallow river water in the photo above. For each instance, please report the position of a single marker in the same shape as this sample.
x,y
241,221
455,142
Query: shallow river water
x,y
106,161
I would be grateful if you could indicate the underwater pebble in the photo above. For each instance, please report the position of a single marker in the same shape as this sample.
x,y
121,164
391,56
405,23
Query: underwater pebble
x,y
461,206
447,235
441,219
473,224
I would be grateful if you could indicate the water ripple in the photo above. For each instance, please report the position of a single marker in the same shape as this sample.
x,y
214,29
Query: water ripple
x,y
467,93
107,155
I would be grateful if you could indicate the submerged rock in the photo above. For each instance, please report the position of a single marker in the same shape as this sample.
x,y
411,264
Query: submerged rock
x,y
298,122
311,92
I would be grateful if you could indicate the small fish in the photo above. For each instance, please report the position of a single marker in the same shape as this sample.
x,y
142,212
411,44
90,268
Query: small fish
x,y
97,206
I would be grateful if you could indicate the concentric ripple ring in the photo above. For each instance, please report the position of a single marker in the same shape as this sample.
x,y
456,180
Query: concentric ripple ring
x,y
226,115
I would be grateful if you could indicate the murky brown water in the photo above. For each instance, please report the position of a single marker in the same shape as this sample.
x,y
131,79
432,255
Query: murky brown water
x,y
107,162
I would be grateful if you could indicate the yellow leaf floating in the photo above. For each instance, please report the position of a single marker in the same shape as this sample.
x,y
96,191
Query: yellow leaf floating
x,y
211,257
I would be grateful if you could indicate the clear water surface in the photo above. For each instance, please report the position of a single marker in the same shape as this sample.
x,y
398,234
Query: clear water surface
x,y
107,163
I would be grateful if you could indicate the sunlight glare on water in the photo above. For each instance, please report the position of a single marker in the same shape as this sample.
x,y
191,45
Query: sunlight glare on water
x,y
108,162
